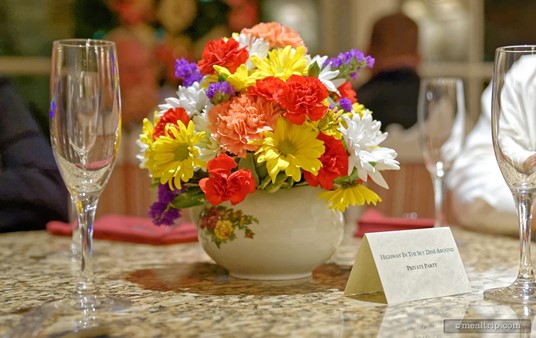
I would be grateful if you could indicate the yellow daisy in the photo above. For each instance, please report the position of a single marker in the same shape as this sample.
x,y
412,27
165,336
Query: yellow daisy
x,y
146,136
358,108
211,78
330,123
355,194
290,148
174,159
240,79
282,63
146,139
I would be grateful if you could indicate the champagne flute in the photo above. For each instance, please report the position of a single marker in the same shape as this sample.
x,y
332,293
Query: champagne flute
x,y
441,120
514,141
85,129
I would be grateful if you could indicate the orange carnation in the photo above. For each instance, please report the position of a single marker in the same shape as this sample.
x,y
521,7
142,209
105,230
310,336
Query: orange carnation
x,y
240,120
277,35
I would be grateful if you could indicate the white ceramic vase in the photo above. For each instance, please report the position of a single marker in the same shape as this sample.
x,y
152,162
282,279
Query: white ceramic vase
x,y
295,233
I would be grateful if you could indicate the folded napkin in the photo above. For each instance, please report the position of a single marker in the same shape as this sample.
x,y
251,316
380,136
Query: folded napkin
x,y
374,221
132,229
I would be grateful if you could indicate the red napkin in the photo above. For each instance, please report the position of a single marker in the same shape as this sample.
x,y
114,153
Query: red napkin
x,y
374,221
132,229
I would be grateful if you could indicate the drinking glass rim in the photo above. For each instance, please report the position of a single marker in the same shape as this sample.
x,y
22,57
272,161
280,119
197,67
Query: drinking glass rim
x,y
84,43
517,48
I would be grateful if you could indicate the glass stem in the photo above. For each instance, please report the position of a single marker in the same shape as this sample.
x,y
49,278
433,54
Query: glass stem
x,y
75,240
439,198
524,204
86,205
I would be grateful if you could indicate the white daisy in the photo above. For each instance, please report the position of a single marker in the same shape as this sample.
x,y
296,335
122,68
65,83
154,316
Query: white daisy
x,y
254,46
193,99
209,148
327,76
141,155
362,138
196,103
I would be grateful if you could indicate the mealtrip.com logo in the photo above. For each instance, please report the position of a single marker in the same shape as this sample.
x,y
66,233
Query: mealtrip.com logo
x,y
487,326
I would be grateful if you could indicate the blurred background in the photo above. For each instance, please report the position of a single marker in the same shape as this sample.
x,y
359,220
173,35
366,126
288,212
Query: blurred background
x,y
457,38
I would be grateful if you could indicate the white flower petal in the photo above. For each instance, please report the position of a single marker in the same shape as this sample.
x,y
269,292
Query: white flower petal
x,y
327,76
193,99
254,46
362,137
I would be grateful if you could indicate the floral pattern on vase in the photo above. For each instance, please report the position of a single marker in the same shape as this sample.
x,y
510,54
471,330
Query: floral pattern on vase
x,y
294,232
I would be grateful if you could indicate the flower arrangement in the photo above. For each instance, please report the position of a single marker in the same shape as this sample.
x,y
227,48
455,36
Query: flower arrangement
x,y
257,112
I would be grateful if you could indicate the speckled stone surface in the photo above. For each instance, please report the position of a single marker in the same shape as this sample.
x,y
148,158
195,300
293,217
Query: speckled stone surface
x,y
177,291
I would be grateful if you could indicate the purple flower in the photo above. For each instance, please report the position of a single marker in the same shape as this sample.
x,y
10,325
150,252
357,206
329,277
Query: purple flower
x,y
218,92
162,212
346,104
349,63
166,195
187,72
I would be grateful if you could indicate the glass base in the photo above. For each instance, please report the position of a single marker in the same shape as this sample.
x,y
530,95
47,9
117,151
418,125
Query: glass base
x,y
522,291
74,316
90,303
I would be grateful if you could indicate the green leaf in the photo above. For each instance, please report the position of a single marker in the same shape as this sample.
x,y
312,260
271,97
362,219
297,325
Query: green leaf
x,y
248,163
189,199
314,70
282,181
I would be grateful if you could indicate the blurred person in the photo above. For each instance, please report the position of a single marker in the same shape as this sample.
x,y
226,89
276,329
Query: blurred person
x,y
32,191
393,90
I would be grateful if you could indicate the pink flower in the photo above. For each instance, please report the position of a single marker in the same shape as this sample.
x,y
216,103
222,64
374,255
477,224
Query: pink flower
x,y
277,35
240,120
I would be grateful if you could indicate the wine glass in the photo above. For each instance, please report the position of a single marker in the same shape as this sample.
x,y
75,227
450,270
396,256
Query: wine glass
x,y
85,129
441,120
514,141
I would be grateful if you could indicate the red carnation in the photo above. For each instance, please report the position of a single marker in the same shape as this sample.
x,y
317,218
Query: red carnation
x,y
348,92
171,116
303,97
223,163
221,52
334,163
224,185
269,88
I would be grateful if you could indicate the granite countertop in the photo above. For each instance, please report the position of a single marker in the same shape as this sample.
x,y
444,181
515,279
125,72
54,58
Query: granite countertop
x,y
177,291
